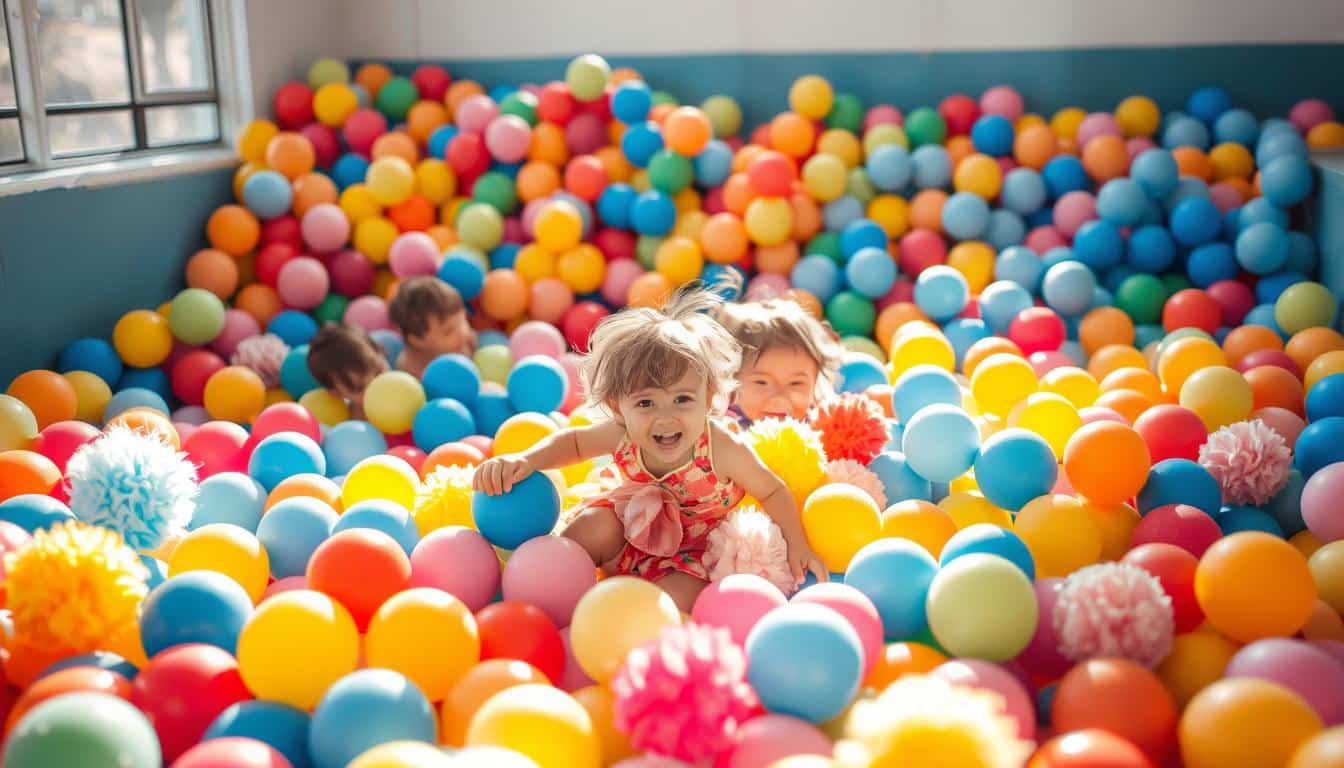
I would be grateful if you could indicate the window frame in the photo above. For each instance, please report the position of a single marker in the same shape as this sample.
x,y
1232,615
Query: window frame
x,y
226,57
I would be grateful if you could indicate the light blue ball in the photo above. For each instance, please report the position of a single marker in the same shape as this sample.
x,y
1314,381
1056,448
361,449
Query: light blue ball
x,y
631,102
1056,255
1261,210
291,530
965,216
1068,287
1014,467
1263,314
714,164
283,455
1237,126
993,135
295,377
1023,191
1211,263
464,274
1195,222
133,397
453,376
1270,287
653,213
1064,174
890,167
1156,172
640,142
194,607
1099,245
526,511
933,167
1185,132
1263,248
941,442
899,481
1122,202
1326,398
492,409
229,497
281,726
1286,181
941,292
381,515
349,443
804,660
614,204
366,708
391,342
1021,265
987,539
841,212
963,332
1278,144
293,326
1000,302
267,194
1319,445
860,372
861,234
537,384
1005,229
1150,249
1187,188
442,420
895,574
93,355
920,387
871,272
1180,481
1236,519
817,275
34,512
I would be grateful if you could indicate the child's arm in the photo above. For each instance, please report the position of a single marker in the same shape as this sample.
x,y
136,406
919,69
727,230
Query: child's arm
x,y
739,463
566,447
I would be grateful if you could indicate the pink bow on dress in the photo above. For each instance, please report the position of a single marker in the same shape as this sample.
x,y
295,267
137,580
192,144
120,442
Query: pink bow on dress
x,y
651,516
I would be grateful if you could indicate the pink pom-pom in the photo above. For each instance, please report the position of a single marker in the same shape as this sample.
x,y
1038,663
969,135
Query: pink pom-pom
x,y
1114,610
651,761
1250,461
263,354
852,427
748,541
684,694
854,473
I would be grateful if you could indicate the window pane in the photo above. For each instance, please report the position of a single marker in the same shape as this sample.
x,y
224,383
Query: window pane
x,y
90,132
172,46
190,124
7,100
83,51
11,141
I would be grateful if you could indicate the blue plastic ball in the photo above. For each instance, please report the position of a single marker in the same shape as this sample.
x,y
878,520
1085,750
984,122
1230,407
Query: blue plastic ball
x,y
194,607
965,216
1208,103
454,376
1185,132
1156,171
492,409
229,497
349,443
1263,248
858,373
1195,221
804,660
1099,245
1286,181
537,384
1014,467
439,138
381,515
871,272
1320,444
860,234
267,194
93,355
366,708
1210,263
134,397
653,213
293,326
153,379
1150,249
1122,202
34,512
1237,126
283,455
940,442
527,510
1005,229
1278,144
351,169
291,530
993,135
1180,481
464,274
1286,506
442,420
895,574
841,212
1261,210
1117,275
1023,191
714,164
987,539
941,292
1235,519
933,167
1187,188
391,342
922,386
631,102
1270,287
640,142
1263,314
98,660
282,727
1064,174
817,275
890,167
1326,398
1000,302
295,377
899,481
504,255
1021,265
1302,254
613,205
1068,287
964,332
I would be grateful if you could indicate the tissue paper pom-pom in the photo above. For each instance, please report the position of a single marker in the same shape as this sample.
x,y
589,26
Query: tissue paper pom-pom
x,y
923,720
748,541
1249,460
1114,610
859,476
792,450
852,427
73,589
684,694
264,355
134,484
444,499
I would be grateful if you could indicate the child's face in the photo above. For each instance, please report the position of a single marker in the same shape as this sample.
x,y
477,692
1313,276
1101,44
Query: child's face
x,y
666,423
444,334
779,384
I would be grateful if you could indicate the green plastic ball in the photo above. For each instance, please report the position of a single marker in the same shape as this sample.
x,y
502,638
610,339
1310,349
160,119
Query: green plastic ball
x,y
670,172
396,98
725,115
332,308
646,250
826,244
851,314
494,363
196,316
846,113
481,225
497,190
522,104
663,97
1174,283
859,186
587,76
324,71
925,126
864,346
982,606
1141,297
83,729
1305,305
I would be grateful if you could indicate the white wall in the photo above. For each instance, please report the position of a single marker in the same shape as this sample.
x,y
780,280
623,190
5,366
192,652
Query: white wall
x,y
286,36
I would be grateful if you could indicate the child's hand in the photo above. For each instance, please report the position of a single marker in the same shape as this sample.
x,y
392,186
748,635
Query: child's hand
x,y
498,475
802,560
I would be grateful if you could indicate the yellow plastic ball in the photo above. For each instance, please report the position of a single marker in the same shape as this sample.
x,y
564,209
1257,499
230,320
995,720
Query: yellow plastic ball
x,y
1327,570
769,220
975,261
1074,384
920,344
1138,116
540,722
1231,160
358,203
1002,381
892,213
881,135
521,431
614,617
839,520
1061,534
533,262
971,507
679,260
333,103
558,226
583,268
254,138
404,754
921,522
398,630
1197,660
1327,135
374,236
979,175
1218,395
225,549
843,144
328,409
1183,357
811,96
391,401
1049,415
689,224
391,179
1065,122
381,477
725,115
1116,523
825,177
435,181
92,395
1245,722
142,338
600,703
295,646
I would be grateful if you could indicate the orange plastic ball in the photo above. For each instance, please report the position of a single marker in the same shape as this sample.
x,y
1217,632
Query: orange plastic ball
x,y
1034,146
548,145
1327,135
474,688
1191,161
451,455
424,118
1246,339
1089,748
926,209
291,154
723,238
686,131
1272,386
1138,379
1120,697
1104,326
537,180
306,485
1128,403
807,218
48,394
1325,365
1231,160
373,77
214,271
979,175
260,301
777,259
1113,357
986,348
892,317
1105,158
1252,585
414,214
504,295
650,289
738,194
1107,462
959,148
792,134
460,91
147,421
396,144
233,229
24,472
313,189
1185,356
1308,344
901,659
1245,722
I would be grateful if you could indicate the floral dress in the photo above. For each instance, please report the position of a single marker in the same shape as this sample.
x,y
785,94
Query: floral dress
x,y
667,519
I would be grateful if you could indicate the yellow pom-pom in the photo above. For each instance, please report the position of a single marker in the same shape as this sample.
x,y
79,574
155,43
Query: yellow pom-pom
x,y
792,450
444,499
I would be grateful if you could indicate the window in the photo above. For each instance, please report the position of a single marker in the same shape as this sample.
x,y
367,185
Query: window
x,y
86,80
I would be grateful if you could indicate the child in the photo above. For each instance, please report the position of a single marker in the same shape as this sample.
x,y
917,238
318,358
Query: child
x,y
433,322
344,359
658,373
789,359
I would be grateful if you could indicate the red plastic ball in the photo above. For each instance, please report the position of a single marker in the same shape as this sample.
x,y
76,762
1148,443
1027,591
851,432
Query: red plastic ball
x,y
293,106
183,690
59,441
1192,308
599,107
326,143
271,259
352,274
772,174
1089,748
555,104
960,112
286,417
283,229
217,447
409,454
919,250
1276,357
1180,524
579,322
359,568
468,156
432,81
586,177
761,136
1171,432
190,373
615,243
362,128
1037,329
713,201
1174,568
1235,300
516,630
232,752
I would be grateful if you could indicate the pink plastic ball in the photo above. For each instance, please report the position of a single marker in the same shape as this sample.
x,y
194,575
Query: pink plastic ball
x,y
326,143
975,673
882,114
1097,124
1275,357
413,254
325,228
585,134
60,440
1006,164
1320,504
551,573
183,432
1235,300
1042,239
1180,524
475,113
536,338
362,128
287,584
194,415
621,273
1002,100
303,283
1309,113
574,394
713,201
530,213
1094,413
550,299
1303,669
1042,656
508,137
574,677
216,447
232,752
1045,362
352,274
736,603
1073,210
767,739
1283,421
1037,329
1138,145
767,285
513,230
856,609
615,244
458,561
901,290
286,417
369,313
238,325
1224,197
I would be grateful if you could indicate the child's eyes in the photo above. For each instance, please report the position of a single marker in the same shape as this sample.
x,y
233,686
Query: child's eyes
x,y
684,399
798,384
644,404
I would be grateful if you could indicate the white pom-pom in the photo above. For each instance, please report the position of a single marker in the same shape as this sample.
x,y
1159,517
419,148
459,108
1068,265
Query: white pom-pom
x,y
748,541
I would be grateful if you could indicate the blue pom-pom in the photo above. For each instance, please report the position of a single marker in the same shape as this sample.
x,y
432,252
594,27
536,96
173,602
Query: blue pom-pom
x,y
134,484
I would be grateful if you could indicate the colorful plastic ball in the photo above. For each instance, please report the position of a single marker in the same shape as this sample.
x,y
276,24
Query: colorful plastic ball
x,y
1068,286
86,726
381,515
1037,329
1317,502
227,549
1120,697
194,607
940,442
895,575
441,421
1286,181
182,691
993,590
601,647
528,510
921,386
283,455
1241,722
1099,245
1227,572
1304,305
941,292
890,167
871,272
814,686
839,519
537,383
1218,395
851,314
984,538
1262,248
291,530
1307,671
1107,462
1001,381
365,709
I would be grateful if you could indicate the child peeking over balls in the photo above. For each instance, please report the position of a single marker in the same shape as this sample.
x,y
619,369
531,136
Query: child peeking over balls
x,y
344,359
433,322
658,374
789,359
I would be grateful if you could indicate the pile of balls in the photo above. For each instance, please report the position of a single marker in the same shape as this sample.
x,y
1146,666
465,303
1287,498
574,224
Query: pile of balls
x,y
1077,493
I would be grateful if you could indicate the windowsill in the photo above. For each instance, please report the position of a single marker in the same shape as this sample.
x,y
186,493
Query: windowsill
x,y
121,171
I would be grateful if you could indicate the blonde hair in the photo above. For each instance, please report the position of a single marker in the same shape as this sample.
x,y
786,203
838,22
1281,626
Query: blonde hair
x,y
760,326
641,348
